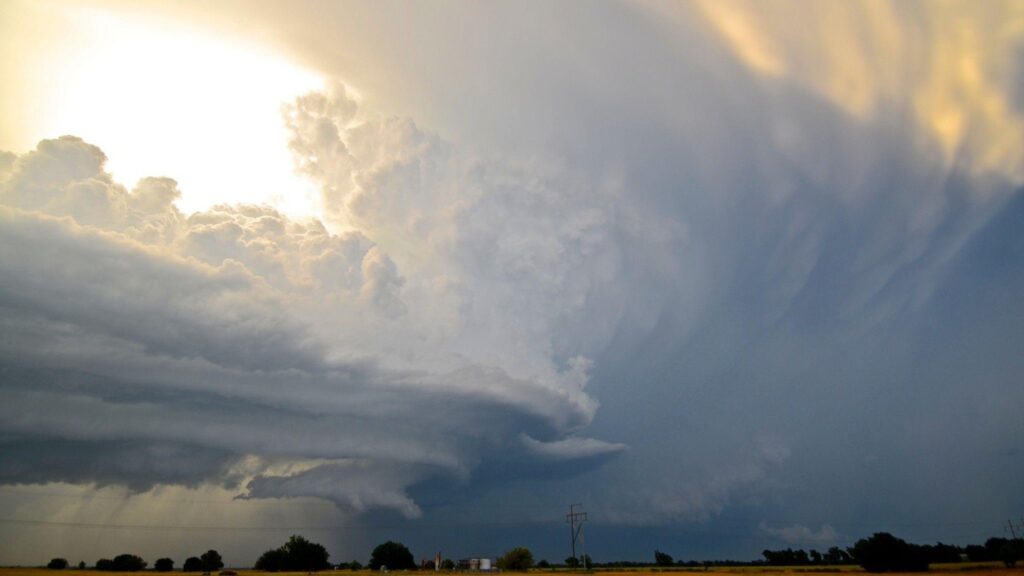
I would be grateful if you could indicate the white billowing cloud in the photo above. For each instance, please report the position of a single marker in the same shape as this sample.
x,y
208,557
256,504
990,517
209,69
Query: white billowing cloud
x,y
802,535
238,332
513,258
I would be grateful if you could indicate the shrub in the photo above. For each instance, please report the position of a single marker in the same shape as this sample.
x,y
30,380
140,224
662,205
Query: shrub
x,y
192,564
163,565
57,564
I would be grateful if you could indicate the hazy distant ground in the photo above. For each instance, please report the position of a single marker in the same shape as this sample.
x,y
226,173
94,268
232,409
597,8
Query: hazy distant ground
x,y
974,568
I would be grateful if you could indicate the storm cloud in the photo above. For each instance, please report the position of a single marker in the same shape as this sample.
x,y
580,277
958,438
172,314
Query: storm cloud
x,y
737,279
136,335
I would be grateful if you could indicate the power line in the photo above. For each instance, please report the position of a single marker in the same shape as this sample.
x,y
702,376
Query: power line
x,y
308,502
112,498
325,528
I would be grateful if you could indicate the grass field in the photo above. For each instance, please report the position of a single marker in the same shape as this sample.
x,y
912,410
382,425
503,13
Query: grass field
x,y
975,569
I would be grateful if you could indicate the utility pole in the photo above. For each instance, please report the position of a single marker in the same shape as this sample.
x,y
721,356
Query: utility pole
x,y
575,519
1013,531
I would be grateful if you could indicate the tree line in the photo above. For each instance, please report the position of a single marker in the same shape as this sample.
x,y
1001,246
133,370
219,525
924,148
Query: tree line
x,y
210,561
884,552
881,552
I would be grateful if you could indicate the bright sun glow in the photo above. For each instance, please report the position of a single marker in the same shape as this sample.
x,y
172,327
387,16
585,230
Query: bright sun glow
x,y
172,102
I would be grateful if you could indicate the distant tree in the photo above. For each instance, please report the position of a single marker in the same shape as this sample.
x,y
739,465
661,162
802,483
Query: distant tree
x,y
128,563
993,546
355,565
211,561
572,562
543,564
837,555
448,564
518,559
192,564
297,554
81,564
662,559
306,555
976,553
941,553
121,563
427,565
274,560
57,564
787,557
163,565
585,560
883,552
394,555
815,557
1010,552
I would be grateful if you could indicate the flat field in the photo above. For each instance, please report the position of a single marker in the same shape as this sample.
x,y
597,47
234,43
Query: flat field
x,y
970,569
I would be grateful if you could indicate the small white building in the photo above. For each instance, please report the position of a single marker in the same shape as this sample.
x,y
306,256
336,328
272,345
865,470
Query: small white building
x,y
476,564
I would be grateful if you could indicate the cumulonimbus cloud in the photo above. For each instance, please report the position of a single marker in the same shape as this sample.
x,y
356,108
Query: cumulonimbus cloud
x,y
747,245
139,333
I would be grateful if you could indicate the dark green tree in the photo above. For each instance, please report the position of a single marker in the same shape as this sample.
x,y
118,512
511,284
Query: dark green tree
x,y
836,555
543,564
1010,552
274,560
518,559
81,564
297,554
448,564
192,564
662,559
128,563
57,564
305,555
105,564
211,561
394,555
787,557
883,552
572,562
993,546
163,565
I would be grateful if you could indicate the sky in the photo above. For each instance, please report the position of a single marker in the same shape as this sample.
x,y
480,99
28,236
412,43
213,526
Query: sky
x,y
734,275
